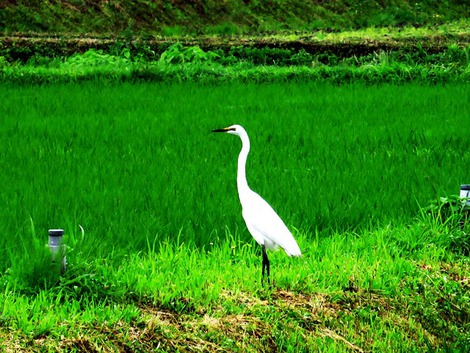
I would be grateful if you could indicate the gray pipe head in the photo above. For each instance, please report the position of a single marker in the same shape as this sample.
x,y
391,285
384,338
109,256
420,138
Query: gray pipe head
x,y
56,232
55,237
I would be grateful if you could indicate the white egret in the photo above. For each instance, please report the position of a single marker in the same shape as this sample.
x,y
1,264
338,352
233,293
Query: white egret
x,y
262,221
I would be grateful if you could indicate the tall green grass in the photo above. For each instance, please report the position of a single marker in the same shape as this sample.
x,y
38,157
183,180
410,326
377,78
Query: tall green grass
x,y
180,63
364,290
131,163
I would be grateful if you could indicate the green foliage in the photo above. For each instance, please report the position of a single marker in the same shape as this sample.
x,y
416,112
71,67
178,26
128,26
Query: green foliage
x,y
196,65
178,54
3,62
98,58
267,56
262,61
448,217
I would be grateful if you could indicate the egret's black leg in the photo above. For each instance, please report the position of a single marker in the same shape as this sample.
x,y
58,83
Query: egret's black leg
x,y
265,263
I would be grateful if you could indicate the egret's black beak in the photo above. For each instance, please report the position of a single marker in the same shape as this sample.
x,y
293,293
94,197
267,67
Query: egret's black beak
x,y
225,129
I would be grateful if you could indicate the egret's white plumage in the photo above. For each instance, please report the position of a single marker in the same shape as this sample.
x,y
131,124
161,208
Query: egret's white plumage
x,y
262,221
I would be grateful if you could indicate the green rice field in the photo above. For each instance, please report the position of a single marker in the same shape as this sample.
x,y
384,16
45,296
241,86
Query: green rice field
x,y
147,197
131,163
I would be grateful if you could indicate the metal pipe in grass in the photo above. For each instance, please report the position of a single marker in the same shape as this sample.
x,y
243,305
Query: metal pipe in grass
x,y
465,197
57,248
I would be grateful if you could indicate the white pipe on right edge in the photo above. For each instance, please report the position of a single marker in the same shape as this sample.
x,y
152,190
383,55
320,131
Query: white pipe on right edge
x,y
465,194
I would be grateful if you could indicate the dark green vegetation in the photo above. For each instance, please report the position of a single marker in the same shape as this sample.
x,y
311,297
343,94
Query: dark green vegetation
x,y
164,259
128,18
295,60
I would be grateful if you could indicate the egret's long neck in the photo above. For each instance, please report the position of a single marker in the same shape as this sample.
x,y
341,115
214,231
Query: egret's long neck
x,y
242,184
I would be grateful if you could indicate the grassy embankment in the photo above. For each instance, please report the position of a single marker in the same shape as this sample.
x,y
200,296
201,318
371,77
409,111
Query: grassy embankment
x,y
427,44
127,18
165,260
